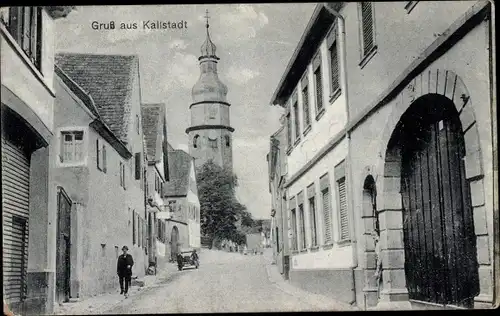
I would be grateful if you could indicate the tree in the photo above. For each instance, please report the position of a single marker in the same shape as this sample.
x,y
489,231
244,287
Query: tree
x,y
219,209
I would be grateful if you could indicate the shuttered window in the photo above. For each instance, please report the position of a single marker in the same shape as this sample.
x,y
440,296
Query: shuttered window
x,y
327,216
104,163
334,68
302,223
312,214
138,167
367,29
344,219
297,120
25,26
98,152
319,89
289,130
294,230
305,107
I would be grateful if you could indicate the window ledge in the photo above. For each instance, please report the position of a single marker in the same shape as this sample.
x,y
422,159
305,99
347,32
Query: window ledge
x,y
297,141
368,56
343,243
71,164
308,128
314,248
294,252
303,250
334,96
328,246
320,114
37,72
410,5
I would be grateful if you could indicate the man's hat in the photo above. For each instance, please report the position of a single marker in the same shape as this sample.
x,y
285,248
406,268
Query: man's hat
x,y
124,248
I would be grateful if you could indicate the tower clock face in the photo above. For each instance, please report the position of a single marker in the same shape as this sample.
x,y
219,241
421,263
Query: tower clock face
x,y
212,111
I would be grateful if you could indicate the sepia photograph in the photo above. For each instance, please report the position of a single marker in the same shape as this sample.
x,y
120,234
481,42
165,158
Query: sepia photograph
x,y
237,157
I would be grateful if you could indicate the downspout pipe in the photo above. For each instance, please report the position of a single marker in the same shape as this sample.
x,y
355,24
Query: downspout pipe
x,y
347,136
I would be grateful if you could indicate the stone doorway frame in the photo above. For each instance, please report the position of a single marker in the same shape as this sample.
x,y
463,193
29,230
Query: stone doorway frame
x,y
389,202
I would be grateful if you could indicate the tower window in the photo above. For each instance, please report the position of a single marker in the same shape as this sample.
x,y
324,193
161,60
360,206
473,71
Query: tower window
x,y
213,143
228,140
195,141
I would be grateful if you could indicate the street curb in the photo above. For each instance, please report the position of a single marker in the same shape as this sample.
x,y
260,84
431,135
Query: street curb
x,y
318,297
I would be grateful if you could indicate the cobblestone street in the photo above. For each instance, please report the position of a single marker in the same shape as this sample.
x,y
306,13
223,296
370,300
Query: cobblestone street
x,y
225,282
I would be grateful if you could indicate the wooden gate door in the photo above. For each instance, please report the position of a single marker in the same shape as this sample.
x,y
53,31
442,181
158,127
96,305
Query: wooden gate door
x,y
174,240
63,267
440,244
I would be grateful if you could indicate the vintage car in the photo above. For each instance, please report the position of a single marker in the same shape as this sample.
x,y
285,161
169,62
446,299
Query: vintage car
x,y
185,259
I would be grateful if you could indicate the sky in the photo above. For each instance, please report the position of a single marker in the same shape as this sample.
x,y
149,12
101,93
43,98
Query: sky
x,y
254,43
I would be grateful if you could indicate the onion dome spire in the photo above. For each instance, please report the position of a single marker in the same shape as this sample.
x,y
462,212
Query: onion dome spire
x,y
208,48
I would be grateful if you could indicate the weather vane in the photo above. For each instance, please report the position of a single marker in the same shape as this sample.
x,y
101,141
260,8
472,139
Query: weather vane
x,y
206,16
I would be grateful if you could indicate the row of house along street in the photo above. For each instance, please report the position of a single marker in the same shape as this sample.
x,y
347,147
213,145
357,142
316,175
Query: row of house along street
x,y
134,159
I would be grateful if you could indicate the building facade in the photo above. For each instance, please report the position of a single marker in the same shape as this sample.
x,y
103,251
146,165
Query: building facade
x,y
155,137
210,131
413,149
106,186
27,97
312,94
181,197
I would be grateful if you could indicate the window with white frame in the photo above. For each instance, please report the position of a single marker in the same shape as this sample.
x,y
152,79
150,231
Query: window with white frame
x,y
367,28
71,146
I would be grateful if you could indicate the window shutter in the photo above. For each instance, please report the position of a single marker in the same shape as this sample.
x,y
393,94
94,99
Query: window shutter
x,y
98,154
104,164
289,130
319,89
327,216
124,177
26,39
294,230
297,119
137,166
344,220
367,26
15,22
305,106
334,65
133,228
302,227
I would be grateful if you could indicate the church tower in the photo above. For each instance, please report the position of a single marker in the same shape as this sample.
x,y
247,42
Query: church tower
x,y
210,132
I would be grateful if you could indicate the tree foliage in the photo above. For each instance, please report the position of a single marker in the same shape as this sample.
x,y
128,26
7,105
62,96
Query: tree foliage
x,y
220,210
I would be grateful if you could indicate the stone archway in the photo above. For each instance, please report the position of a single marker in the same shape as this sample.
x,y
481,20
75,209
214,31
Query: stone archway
x,y
370,221
448,85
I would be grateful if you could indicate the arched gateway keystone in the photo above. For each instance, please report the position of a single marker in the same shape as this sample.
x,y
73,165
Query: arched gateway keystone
x,y
433,83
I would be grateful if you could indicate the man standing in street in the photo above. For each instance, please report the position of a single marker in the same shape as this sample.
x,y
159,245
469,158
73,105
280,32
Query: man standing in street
x,y
124,270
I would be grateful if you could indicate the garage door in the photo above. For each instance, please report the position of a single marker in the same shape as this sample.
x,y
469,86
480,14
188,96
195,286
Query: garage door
x,y
15,211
